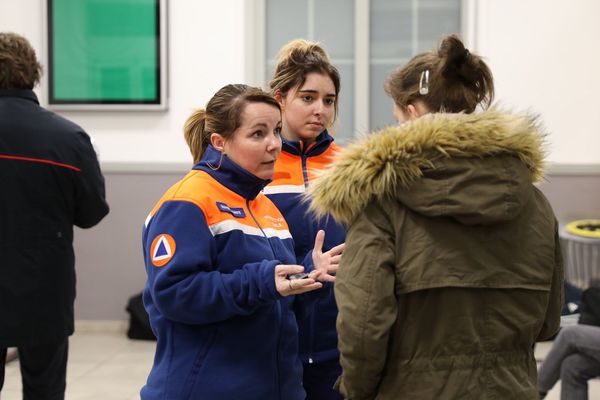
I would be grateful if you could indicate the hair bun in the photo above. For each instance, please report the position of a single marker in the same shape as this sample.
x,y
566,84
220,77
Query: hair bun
x,y
300,51
453,57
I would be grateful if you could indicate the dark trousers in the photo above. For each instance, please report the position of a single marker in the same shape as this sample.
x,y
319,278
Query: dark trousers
x,y
43,370
319,379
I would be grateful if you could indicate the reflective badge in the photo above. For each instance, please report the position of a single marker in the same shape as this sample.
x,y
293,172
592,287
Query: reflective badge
x,y
162,249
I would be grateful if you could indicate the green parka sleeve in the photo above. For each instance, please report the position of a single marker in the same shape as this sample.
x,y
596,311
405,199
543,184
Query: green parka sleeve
x,y
556,300
365,294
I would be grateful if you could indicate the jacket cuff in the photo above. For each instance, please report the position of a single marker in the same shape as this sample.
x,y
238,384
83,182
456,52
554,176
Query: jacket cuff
x,y
267,280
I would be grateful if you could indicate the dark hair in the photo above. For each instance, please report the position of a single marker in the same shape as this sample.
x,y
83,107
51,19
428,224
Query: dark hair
x,y
223,114
458,79
19,67
296,60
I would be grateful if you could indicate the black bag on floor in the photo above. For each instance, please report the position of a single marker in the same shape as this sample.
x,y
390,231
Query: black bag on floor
x,y
139,323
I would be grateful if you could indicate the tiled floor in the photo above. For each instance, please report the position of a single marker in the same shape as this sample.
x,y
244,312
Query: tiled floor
x,y
105,365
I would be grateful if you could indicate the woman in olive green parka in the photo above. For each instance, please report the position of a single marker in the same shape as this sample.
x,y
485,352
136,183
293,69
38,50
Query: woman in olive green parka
x,y
452,269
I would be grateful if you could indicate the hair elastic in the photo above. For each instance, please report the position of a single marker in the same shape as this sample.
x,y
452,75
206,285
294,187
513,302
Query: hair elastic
x,y
465,56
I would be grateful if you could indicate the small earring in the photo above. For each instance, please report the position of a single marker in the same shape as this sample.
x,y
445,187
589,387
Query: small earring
x,y
219,165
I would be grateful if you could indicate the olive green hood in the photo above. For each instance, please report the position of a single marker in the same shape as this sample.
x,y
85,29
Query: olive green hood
x,y
475,168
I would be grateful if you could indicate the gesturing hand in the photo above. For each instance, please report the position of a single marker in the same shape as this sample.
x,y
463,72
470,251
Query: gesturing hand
x,y
325,264
287,287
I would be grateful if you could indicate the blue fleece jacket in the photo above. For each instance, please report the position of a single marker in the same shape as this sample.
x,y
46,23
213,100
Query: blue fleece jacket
x,y
211,245
293,172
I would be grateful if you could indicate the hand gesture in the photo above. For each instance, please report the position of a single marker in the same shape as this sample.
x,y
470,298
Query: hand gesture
x,y
325,264
287,287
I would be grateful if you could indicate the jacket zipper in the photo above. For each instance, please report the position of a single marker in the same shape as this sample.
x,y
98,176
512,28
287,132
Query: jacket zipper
x,y
261,229
304,158
311,324
311,337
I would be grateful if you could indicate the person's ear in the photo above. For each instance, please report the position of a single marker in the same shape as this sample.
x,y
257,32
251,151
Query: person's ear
x,y
217,141
279,97
412,111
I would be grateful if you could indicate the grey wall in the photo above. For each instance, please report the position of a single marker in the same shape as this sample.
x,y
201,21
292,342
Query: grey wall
x,y
109,259
573,196
109,256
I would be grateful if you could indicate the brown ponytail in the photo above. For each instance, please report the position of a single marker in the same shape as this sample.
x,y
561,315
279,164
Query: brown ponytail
x,y
195,136
459,80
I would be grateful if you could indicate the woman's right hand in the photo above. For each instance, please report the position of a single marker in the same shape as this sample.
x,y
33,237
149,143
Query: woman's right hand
x,y
287,287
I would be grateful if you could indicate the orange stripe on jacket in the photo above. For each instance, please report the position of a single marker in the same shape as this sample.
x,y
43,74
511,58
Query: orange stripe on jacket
x,y
200,188
322,161
288,168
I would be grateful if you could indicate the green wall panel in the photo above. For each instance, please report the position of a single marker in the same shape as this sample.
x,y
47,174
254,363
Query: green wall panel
x,y
104,51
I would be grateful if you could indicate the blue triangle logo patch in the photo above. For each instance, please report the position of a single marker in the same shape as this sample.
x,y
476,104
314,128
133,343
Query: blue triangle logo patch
x,y
162,249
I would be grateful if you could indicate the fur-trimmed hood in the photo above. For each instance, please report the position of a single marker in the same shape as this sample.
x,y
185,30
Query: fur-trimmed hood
x,y
477,168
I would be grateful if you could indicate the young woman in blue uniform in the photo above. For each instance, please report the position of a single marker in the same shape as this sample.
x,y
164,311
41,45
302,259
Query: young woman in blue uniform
x,y
218,256
307,86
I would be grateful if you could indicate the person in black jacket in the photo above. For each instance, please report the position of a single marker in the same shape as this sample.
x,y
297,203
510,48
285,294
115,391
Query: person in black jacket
x,y
50,180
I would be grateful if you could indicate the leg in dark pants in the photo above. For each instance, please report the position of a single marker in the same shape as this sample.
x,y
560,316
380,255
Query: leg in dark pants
x,y
319,379
576,371
44,370
2,363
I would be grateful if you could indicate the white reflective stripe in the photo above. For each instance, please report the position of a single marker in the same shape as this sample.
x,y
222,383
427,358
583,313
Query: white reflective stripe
x,y
147,221
279,189
232,225
270,232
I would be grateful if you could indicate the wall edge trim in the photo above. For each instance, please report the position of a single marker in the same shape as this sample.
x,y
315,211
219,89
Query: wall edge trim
x,y
110,167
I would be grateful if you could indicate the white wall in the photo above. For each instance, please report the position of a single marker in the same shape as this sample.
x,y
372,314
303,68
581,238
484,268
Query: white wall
x,y
544,55
206,51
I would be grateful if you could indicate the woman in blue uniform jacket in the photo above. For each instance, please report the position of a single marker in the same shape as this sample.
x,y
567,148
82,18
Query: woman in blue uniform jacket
x,y
219,256
307,85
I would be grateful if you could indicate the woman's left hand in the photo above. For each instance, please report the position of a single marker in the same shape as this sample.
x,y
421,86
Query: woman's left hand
x,y
325,264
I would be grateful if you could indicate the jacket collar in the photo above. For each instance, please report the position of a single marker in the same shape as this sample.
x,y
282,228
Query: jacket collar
x,y
314,149
231,175
22,93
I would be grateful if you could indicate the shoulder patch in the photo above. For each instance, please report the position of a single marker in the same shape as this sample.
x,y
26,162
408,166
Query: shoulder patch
x,y
162,249
236,212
